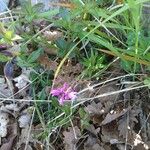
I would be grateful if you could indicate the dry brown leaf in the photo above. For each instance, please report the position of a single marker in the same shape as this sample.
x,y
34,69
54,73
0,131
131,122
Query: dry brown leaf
x,y
107,88
24,120
4,119
66,5
110,133
92,143
22,147
12,130
115,115
107,147
120,2
39,146
4,90
9,144
133,138
10,107
32,143
51,50
68,74
124,123
93,130
52,35
122,146
141,147
24,136
22,80
108,105
47,63
69,68
94,109
71,138
122,127
36,130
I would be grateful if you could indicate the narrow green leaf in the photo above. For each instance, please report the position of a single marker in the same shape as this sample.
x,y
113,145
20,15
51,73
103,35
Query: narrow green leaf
x,y
48,14
34,56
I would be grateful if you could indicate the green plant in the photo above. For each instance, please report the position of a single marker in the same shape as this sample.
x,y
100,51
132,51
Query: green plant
x,y
89,29
147,82
48,107
93,64
84,119
122,21
29,60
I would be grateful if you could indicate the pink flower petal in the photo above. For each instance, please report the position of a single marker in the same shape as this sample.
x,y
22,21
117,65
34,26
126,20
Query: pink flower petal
x,y
64,93
61,101
72,95
55,92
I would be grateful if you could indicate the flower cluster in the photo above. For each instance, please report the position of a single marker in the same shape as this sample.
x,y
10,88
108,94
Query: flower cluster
x,y
64,93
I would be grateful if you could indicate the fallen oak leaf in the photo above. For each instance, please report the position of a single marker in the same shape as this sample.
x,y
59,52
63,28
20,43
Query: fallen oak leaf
x,y
122,123
68,74
93,131
111,117
70,138
9,144
109,133
94,109
92,143
48,64
11,137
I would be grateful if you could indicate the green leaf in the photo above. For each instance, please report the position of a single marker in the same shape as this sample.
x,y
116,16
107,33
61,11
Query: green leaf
x,y
34,55
65,14
61,43
64,46
8,35
66,109
4,58
42,94
82,113
84,118
48,14
128,66
147,82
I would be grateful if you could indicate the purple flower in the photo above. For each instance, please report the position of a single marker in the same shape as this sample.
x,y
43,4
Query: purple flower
x,y
64,93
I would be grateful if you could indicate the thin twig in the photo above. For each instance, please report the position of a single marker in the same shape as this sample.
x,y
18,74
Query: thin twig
x,y
30,127
110,80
